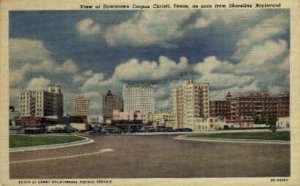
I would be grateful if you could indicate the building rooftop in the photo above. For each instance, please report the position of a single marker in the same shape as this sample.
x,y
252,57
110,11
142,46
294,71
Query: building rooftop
x,y
139,85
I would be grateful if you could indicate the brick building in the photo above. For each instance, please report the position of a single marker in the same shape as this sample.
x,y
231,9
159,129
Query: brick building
x,y
111,102
241,109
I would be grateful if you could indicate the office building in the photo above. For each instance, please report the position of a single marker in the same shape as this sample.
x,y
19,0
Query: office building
x,y
41,102
82,106
138,97
111,102
57,102
190,101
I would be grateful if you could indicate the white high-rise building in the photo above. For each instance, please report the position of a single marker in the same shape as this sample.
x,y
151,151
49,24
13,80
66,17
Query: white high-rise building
x,y
190,101
41,103
138,97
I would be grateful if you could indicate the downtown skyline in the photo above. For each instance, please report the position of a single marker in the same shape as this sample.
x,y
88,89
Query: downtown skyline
x,y
91,52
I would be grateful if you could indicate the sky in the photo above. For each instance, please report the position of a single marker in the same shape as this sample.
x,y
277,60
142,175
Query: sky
x,y
91,52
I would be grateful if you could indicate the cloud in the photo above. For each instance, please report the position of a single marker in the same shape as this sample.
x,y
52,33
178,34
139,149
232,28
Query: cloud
x,y
87,27
17,75
209,71
148,27
211,63
264,68
22,50
265,30
39,83
262,57
279,24
93,81
207,18
135,70
31,56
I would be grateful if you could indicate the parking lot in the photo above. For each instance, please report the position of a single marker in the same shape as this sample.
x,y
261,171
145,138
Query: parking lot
x,y
153,156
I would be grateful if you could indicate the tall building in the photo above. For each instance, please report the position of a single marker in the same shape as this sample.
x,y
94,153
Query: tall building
x,y
82,106
57,94
138,97
111,102
190,101
218,108
41,102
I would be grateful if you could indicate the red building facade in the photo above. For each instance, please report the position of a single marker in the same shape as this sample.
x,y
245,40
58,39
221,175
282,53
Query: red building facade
x,y
239,109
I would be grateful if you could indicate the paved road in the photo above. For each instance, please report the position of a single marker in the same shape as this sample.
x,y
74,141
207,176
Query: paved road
x,y
152,156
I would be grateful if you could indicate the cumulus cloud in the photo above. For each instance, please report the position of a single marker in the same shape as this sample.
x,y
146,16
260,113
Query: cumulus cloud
x,y
207,18
39,83
93,81
219,80
22,50
264,68
17,75
261,32
134,69
29,56
87,26
148,27
278,24
211,63
261,57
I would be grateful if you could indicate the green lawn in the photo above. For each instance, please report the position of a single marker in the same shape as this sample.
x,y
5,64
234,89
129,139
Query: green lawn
x,y
284,135
31,140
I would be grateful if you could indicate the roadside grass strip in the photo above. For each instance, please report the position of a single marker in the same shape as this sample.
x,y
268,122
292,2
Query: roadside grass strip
x,y
31,140
272,136
64,157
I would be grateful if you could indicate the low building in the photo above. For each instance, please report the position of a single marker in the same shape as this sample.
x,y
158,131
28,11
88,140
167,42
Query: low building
x,y
243,122
80,126
129,117
55,127
283,123
162,119
208,124
95,119
33,125
78,119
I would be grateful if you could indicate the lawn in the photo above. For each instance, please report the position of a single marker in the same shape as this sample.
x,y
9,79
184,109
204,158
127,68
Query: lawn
x,y
284,135
31,140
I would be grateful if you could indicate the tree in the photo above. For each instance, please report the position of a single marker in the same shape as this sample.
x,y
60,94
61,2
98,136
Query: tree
x,y
271,121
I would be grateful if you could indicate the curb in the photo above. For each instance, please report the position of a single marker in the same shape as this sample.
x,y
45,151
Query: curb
x,y
222,140
54,146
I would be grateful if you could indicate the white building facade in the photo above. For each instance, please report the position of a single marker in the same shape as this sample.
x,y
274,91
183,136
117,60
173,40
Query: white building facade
x,y
138,97
190,101
41,102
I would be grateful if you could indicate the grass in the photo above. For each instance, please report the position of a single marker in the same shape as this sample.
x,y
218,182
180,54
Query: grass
x,y
30,140
284,135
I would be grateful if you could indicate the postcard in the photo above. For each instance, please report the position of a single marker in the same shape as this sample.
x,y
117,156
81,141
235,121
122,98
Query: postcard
x,y
149,93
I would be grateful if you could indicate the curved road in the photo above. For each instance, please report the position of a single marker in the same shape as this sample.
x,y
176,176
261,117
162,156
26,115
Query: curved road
x,y
156,156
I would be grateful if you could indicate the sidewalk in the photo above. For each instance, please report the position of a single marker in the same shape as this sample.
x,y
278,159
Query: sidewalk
x,y
224,140
54,146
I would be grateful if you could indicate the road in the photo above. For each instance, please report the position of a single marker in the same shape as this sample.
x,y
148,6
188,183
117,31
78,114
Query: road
x,y
156,156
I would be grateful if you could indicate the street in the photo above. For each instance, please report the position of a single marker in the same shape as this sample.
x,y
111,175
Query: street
x,y
155,156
